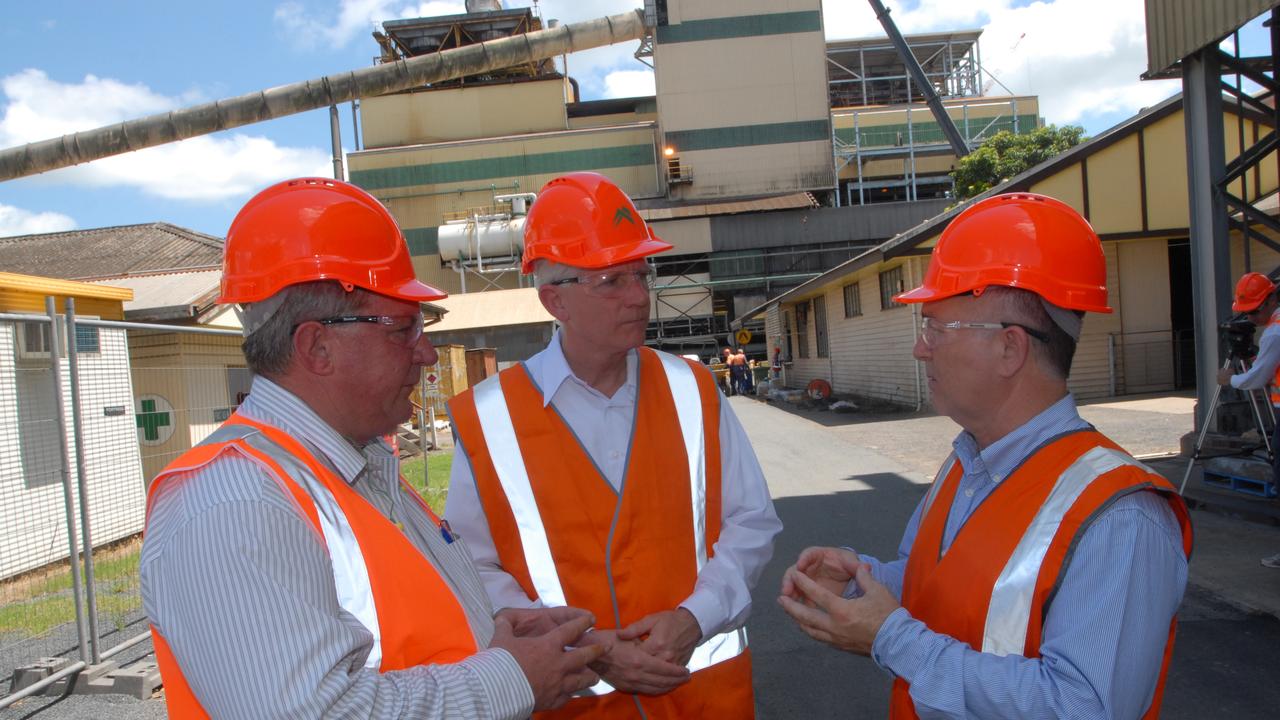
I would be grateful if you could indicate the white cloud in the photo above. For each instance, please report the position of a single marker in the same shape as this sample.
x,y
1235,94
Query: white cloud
x,y
628,83
16,221
206,168
354,18
1081,57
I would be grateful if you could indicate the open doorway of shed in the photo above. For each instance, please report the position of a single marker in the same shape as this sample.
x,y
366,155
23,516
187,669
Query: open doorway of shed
x,y
1181,314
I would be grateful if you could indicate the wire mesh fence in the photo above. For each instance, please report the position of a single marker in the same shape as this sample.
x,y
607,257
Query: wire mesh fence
x,y
91,416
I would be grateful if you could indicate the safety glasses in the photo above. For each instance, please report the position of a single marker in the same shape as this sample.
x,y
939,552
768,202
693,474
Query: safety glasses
x,y
611,284
932,329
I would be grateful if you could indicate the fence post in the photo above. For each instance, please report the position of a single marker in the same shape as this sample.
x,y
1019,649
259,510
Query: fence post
x,y
77,430
55,364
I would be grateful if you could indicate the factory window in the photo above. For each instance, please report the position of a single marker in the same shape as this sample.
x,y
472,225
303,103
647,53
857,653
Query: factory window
x,y
852,302
890,285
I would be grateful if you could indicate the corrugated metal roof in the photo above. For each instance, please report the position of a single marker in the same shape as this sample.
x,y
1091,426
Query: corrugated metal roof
x,y
168,296
1178,28
110,252
494,308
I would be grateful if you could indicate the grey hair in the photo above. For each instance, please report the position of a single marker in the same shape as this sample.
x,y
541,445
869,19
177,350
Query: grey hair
x,y
1027,308
546,272
269,348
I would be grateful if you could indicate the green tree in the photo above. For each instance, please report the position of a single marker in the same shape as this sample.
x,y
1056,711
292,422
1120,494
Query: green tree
x,y
1006,154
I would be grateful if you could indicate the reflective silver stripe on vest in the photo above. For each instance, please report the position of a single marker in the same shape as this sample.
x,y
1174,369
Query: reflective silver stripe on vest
x,y
688,402
936,487
1009,613
350,574
504,452
508,463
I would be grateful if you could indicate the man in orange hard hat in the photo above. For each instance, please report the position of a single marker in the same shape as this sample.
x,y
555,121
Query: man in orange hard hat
x,y
1040,574
288,571
1256,297
605,475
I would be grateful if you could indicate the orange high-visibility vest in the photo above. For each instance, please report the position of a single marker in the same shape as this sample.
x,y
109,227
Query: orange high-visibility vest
x,y
993,586
402,583
568,538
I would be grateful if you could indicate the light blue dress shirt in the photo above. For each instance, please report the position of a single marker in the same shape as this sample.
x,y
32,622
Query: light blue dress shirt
x,y
1104,636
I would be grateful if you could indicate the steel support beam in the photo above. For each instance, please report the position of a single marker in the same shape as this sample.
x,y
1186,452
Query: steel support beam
x,y
917,76
1206,168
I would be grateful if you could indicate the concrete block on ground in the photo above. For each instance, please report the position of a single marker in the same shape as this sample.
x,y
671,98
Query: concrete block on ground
x,y
28,675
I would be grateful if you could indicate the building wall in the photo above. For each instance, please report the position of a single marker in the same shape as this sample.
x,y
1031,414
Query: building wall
x,y
32,516
476,111
425,185
742,96
1145,347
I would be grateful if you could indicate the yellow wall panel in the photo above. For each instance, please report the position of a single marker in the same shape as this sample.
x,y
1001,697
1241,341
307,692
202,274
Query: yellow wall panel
x,y
459,113
1065,186
1115,188
1166,147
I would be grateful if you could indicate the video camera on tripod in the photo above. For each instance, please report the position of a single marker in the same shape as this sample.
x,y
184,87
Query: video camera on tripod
x,y
1237,337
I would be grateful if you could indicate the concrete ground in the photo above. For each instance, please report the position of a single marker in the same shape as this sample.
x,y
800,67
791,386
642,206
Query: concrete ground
x,y
855,479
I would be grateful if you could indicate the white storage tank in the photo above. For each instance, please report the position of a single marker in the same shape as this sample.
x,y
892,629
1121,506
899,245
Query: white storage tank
x,y
497,236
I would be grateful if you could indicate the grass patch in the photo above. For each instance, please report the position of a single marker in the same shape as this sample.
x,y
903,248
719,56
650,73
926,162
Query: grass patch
x,y
430,477
35,603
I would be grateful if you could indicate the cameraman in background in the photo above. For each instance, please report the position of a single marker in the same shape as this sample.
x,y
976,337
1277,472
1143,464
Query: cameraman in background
x,y
1256,298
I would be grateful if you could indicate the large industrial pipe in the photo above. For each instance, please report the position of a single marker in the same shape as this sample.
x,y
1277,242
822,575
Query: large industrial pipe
x,y
82,147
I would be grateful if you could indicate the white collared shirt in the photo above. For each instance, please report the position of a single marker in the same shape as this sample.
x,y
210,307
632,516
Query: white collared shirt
x,y
721,599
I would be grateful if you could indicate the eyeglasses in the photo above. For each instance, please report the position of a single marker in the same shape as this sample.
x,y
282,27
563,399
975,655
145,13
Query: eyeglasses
x,y
931,329
403,335
613,283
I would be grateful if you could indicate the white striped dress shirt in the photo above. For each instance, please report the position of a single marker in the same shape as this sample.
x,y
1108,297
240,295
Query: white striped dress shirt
x,y
240,585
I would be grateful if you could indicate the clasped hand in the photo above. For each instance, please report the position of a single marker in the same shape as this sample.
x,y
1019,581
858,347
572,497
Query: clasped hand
x,y
813,595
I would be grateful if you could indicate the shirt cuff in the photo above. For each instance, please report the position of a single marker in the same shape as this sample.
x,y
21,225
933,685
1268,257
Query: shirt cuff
x,y
506,689
897,648
707,610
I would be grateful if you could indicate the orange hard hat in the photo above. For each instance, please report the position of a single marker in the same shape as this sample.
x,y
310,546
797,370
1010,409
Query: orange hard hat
x,y
1020,240
584,220
1252,290
317,229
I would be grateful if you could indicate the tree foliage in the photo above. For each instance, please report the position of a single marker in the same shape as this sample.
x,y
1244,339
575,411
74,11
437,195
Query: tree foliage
x,y
1006,154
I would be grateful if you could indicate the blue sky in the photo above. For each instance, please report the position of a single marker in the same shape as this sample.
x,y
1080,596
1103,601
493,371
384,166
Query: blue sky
x,y
67,66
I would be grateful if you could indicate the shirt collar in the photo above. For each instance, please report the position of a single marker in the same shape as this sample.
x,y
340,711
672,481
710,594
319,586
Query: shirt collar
x,y
1005,455
275,406
550,369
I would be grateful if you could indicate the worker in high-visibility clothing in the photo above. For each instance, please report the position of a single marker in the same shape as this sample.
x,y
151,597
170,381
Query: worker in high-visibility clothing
x,y
288,571
1040,574
605,475
1255,296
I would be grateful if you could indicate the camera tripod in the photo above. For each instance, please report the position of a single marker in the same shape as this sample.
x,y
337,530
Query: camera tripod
x,y
1236,365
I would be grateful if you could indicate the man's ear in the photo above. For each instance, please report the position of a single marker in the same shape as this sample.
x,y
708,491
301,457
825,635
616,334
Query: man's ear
x,y
313,349
553,302
1015,351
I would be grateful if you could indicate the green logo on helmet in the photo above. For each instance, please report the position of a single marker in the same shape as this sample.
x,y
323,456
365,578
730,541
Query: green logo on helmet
x,y
621,214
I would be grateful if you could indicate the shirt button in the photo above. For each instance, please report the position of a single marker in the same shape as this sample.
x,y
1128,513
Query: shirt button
x,y
968,492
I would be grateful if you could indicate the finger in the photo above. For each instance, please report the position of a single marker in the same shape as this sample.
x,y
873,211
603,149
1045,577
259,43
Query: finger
x,y
788,587
866,580
803,614
585,655
563,614
502,628
817,594
657,667
639,628
568,633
